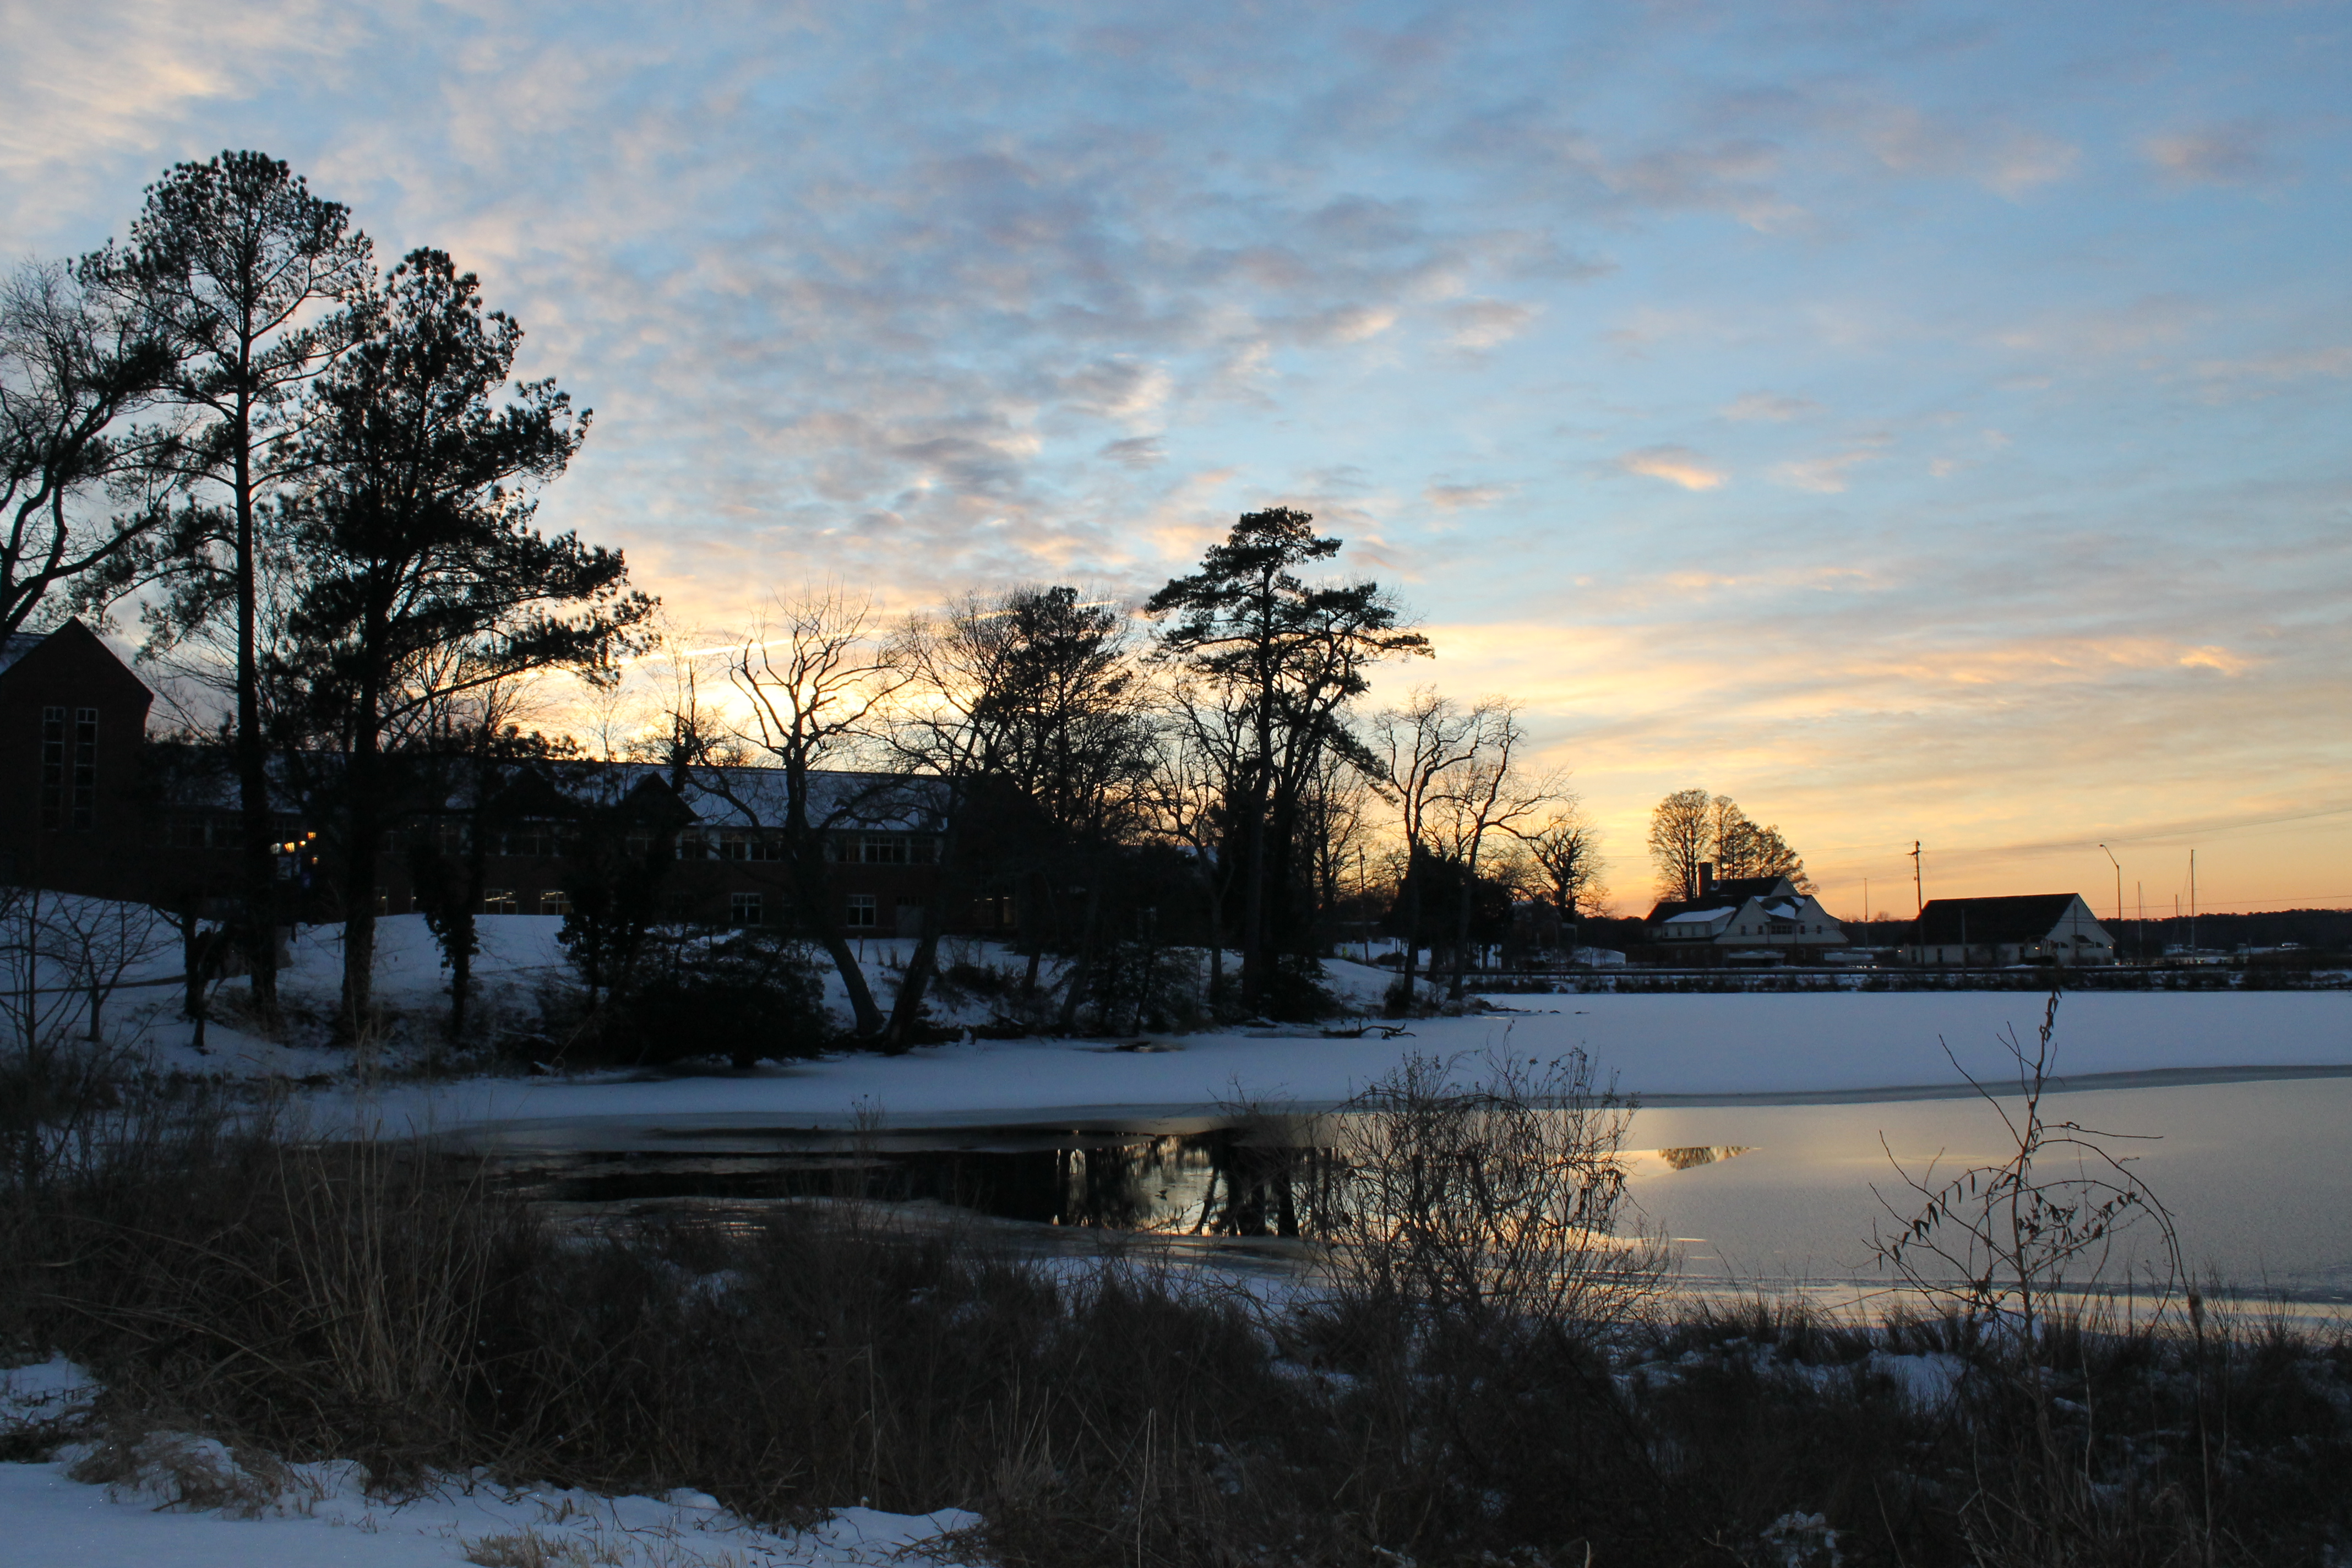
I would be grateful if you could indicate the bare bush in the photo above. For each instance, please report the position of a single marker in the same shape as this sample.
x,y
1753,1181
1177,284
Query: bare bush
x,y
1488,1204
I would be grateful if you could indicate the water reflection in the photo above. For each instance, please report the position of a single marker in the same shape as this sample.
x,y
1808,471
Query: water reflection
x,y
1691,1155
1226,1181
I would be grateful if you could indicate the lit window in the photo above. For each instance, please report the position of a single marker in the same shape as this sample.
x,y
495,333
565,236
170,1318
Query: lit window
x,y
555,901
861,911
499,902
744,908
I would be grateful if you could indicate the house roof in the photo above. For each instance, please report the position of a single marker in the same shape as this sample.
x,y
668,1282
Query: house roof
x,y
16,645
2023,918
1724,896
200,777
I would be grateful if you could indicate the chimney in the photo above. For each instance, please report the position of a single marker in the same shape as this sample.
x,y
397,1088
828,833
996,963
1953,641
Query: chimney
x,y
1705,879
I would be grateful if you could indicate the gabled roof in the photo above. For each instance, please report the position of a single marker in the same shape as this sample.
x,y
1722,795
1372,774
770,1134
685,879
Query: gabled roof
x,y
1725,896
1739,890
2023,918
32,652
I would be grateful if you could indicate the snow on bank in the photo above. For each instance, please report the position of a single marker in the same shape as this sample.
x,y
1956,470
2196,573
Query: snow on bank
x,y
190,1501
1666,1049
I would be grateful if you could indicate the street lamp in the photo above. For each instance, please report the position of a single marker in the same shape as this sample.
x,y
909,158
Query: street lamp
x,y
2119,885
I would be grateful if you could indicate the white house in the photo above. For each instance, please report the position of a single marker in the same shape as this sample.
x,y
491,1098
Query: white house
x,y
1756,912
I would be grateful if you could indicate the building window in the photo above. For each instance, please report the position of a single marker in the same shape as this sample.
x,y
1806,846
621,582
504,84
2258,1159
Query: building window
x,y
693,845
498,900
743,909
923,849
555,901
535,841
861,911
886,849
85,769
53,768
734,844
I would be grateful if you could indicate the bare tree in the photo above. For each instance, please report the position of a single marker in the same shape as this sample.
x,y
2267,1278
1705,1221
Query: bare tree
x,y
1744,849
1190,785
1420,746
1566,850
1690,828
1488,796
817,683
1682,832
1026,713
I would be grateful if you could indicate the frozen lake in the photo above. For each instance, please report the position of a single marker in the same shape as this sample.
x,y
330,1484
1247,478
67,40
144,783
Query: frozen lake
x,y
2258,1175
1776,1197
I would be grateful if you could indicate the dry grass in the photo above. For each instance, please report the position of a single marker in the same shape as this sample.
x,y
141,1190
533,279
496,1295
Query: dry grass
x,y
1498,1388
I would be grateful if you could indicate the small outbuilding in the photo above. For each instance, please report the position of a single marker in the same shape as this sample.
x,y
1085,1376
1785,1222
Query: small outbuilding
x,y
2031,928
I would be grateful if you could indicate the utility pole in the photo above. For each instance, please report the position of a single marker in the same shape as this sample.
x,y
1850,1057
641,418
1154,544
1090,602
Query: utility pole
x,y
2119,887
2193,901
1919,884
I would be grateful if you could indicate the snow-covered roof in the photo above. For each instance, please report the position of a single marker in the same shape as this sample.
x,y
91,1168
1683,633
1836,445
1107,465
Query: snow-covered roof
x,y
718,797
16,645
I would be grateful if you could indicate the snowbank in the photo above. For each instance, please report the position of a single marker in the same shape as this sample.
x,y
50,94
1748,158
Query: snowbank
x,y
318,1515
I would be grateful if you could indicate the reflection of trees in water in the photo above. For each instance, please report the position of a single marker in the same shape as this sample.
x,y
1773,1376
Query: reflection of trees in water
x,y
1684,1159
1225,1182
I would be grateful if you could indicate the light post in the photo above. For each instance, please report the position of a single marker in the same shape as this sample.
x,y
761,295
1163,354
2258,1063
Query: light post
x,y
2119,887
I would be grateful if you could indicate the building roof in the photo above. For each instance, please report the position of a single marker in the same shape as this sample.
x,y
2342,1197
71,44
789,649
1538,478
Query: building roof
x,y
2022,918
200,777
16,645
1724,896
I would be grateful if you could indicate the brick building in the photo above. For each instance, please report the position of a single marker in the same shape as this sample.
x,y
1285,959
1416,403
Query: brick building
x,y
88,806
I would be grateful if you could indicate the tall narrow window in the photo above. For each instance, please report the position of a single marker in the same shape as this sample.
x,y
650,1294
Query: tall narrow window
x,y
85,769
53,767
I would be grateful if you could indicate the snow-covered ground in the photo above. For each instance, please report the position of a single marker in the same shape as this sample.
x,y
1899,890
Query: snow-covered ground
x,y
191,1502
1686,1049
1666,1049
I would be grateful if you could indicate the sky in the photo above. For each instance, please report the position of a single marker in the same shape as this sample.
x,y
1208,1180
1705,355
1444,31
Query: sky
x,y
1921,422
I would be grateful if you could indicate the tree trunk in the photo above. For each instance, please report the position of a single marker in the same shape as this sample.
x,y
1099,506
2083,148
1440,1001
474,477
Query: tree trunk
x,y
1081,970
1412,876
252,759
363,815
1462,924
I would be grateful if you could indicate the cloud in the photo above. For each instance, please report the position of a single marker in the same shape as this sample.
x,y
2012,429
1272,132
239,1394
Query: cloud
x,y
1135,451
1484,323
2105,332
1461,497
1996,154
1772,405
1676,464
2234,152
